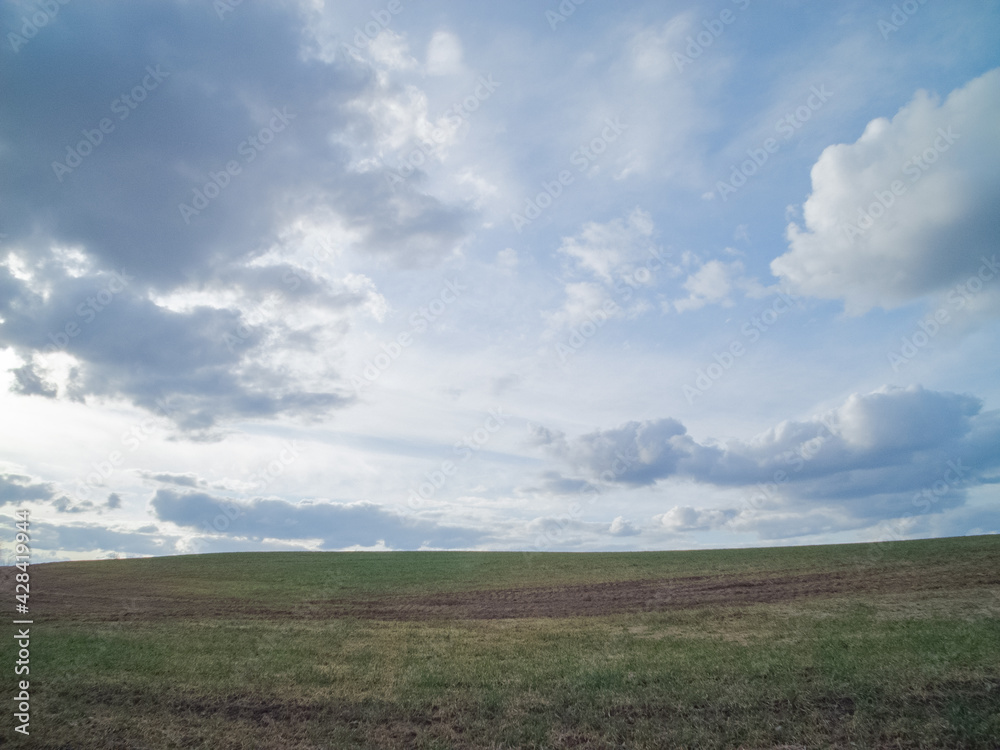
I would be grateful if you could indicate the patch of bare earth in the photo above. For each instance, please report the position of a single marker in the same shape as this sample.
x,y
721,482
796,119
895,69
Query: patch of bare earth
x,y
69,597
640,596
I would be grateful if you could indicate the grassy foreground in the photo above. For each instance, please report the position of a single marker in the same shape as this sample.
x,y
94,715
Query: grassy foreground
x,y
274,650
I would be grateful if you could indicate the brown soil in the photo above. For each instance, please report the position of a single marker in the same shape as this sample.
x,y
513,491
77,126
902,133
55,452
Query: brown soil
x,y
69,598
634,596
595,598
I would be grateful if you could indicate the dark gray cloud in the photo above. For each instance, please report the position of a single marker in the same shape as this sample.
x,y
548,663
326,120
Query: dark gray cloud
x,y
338,525
17,488
131,347
182,480
29,382
64,504
217,85
181,95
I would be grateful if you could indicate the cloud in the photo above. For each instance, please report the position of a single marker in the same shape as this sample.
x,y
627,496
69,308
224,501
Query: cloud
x,y
623,527
17,488
94,537
907,210
610,251
444,54
182,480
714,282
211,91
871,456
564,532
338,525
682,518
584,301
552,482
711,284
621,257
132,348
28,381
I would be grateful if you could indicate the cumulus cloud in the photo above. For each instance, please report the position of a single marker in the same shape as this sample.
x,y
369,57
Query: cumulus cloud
x,y
682,518
907,210
870,455
621,526
338,525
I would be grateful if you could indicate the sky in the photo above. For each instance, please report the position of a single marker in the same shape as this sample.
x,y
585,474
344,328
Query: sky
x,y
575,275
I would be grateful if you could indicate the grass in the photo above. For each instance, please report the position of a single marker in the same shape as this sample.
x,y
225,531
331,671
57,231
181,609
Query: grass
x,y
916,668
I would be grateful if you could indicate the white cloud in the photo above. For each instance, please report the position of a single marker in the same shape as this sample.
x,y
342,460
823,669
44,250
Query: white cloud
x,y
713,284
871,245
444,54
683,518
610,250
390,51
584,301
652,48
507,260
623,527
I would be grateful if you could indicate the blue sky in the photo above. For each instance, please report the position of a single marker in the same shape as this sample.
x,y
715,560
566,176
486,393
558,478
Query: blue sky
x,y
578,276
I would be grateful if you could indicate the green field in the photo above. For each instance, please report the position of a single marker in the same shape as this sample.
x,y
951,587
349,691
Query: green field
x,y
894,645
